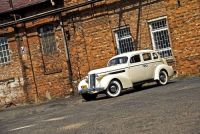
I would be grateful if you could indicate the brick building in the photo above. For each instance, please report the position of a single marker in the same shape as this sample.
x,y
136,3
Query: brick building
x,y
47,46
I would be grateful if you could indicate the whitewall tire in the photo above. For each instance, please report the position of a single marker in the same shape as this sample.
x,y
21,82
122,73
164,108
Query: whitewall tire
x,y
114,89
163,78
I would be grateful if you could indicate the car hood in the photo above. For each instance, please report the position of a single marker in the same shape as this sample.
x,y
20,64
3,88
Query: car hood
x,y
108,69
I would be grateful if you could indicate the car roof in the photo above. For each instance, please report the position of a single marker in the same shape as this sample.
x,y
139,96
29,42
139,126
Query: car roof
x,y
128,54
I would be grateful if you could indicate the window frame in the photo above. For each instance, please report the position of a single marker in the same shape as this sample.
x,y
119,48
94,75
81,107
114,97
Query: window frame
x,y
117,58
46,51
151,58
7,50
158,30
135,62
119,50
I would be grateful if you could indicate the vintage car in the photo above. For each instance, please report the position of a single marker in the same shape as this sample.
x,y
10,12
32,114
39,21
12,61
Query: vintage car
x,y
125,71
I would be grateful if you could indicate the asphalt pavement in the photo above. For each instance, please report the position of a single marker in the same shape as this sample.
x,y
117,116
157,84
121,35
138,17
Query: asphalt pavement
x,y
170,109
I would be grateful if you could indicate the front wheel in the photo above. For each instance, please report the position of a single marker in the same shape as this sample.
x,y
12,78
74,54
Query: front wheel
x,y
163,78
114,89
89,97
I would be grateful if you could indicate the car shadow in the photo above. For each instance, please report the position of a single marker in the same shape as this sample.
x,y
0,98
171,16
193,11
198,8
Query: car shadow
x,y
145,87
132,90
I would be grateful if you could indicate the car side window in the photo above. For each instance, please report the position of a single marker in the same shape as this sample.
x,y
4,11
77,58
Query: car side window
x,y
146,56
119,60
135,59
155,56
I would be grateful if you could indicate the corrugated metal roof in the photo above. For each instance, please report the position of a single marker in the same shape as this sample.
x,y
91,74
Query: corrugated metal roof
x,y
17,4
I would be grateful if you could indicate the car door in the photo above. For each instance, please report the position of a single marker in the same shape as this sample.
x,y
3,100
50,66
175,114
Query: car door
x,y
136,69
149,65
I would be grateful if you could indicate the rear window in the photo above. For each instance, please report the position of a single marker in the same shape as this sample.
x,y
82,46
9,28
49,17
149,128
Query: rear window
x,y
117,61
146,56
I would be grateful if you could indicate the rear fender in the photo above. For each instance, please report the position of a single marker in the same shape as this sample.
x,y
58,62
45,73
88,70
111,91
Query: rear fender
x,y
165,67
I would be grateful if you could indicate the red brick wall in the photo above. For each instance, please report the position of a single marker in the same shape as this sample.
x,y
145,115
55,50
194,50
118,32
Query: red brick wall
x,y
37,77
92,41
50,71
11,77
184,23
92,32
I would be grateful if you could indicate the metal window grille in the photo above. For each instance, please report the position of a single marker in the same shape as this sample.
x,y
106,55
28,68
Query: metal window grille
x,y
47,39
4,51
124,40
160,37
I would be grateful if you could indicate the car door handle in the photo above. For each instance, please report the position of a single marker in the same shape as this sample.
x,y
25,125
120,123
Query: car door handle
x,y
145,65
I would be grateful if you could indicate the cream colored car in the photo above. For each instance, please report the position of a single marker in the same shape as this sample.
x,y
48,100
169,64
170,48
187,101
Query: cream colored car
x,y
126,71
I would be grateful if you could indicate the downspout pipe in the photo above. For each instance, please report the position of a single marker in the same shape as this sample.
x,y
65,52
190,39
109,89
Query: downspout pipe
x,y
138,25
65,41
32,67
47,13
17,37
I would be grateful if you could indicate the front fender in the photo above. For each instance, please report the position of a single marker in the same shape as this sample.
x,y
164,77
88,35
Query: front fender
x,y
83,82
165,67
126,83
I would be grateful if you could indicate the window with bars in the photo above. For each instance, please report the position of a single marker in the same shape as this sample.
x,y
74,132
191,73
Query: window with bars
x,y
47,38
4,51
160,37
124,40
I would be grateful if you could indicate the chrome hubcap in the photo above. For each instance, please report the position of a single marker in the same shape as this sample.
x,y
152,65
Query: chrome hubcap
x,y
162,77
113,88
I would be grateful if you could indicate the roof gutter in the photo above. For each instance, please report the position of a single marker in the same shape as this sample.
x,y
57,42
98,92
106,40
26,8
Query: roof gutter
x,y
47,13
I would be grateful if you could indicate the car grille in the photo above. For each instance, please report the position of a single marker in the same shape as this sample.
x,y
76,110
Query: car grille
x,y
92,81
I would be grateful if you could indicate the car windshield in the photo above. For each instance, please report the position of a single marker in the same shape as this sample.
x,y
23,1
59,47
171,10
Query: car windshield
x,y
119,60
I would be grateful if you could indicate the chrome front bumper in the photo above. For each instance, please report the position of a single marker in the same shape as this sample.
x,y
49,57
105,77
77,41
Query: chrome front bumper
x,y
91,90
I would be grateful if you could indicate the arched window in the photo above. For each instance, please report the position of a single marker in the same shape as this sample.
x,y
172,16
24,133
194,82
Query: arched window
x,y
47,39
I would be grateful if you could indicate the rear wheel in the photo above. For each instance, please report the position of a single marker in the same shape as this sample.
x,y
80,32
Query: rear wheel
x,y
114,89
163,78
89,97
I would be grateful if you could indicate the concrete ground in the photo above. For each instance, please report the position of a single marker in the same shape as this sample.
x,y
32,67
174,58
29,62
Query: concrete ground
x,y
170,109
